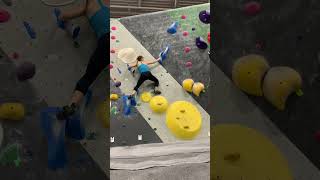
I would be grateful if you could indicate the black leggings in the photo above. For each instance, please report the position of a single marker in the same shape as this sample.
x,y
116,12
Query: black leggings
x,y
98,62
146,76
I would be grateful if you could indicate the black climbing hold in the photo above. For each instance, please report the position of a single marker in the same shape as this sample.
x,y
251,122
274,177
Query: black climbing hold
x,y
25,71
155,129
123,125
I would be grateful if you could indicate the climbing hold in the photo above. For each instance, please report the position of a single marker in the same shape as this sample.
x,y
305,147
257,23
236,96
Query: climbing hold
x,y
12,111
189,64
76,44
187,84
145,97
317,136
25,71
60,23
173,28
119,71
114,110
209,37
187,49
158,104
29,30
110,66
252,8
4,16
126,105
112,51
15,55
102,113
133,101
7,2
183,17
163,54
117,41
113,28
113,37
114,97
117,83
233,142
279,83
193,29
185,33
197,88
204,16
248,72
11,155
183,119
201,44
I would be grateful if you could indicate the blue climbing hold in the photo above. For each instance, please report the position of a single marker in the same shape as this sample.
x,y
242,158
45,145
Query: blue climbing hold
x,y
133,101
54,131
74,127
30,30
60,23
163,54
173,28
126,105
76,32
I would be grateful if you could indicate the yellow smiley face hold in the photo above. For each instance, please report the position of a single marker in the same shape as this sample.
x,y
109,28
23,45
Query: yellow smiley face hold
x,y
158,104
12,111
183,119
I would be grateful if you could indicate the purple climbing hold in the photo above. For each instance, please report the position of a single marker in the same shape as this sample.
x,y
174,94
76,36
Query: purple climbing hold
x,y
173,28
30,30
4,16
201,44
25,71
117,84
204,16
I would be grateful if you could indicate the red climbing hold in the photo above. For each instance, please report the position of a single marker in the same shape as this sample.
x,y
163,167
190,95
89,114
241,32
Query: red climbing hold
x,y
185,33
113,51
183,17
110,66
317,136
189,64
187,49
113,37
209,37
4,16
114,28
252,8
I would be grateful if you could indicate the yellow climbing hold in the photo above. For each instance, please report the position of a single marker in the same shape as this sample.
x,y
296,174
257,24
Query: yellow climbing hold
x,y
248,72
102,113
243,153
197,88
145,97
187,84
158,104
279,83
114,97
183,119
12,111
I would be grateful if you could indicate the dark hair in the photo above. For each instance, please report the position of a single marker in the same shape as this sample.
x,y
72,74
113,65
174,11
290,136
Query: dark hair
x,y
139,58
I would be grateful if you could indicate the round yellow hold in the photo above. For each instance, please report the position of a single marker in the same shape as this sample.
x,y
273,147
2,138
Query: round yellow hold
x,y
114,97
183,119
243,153
145,97
187,84
102,114
12,111
248,72
197,88
158,104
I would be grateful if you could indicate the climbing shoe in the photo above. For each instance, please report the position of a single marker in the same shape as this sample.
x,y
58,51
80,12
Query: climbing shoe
x,y
67,111
156,90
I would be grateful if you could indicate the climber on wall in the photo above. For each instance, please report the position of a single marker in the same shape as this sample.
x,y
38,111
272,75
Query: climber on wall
x,y
145,74
97,11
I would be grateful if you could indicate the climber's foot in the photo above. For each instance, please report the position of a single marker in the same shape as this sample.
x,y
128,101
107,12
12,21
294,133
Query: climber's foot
x,y
156,90
66,112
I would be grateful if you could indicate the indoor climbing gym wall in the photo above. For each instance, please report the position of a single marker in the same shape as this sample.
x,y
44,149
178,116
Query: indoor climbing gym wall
x,y
39,66
176,122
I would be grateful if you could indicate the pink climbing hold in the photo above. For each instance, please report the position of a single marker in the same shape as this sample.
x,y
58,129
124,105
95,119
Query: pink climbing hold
x,y
4,16
183,17
113,37
187,49
113,28
252,8
317,135
113,51
110,66
189,64
185,33
15,55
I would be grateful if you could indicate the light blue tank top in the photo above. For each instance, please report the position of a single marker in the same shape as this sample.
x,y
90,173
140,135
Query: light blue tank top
x,y
100,20
143,68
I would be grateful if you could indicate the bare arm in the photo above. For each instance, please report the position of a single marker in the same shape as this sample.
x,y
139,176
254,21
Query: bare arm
x,y
73,13
152,62
133,65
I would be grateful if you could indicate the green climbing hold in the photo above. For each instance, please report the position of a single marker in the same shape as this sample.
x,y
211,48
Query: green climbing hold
x,y
76,44
114,110
117,41
10,155
299,92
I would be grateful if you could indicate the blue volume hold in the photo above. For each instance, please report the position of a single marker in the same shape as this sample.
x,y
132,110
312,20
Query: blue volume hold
x,y
60,23
30,30
173,28
163,54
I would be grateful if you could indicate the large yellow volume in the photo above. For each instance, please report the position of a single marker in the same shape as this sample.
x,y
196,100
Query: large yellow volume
x,y
183,119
